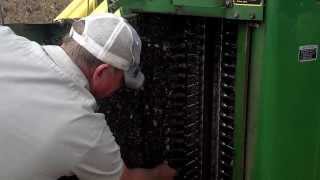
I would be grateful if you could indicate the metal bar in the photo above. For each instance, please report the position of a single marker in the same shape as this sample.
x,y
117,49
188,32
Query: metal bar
x,y
205,8
241,86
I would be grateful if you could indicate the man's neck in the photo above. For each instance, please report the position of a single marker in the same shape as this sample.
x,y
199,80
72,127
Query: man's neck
x,y
85,70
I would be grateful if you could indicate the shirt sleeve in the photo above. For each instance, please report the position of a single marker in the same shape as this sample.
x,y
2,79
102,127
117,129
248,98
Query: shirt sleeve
x,y
102,162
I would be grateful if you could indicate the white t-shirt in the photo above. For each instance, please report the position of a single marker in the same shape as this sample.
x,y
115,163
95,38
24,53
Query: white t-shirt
x,y
48,124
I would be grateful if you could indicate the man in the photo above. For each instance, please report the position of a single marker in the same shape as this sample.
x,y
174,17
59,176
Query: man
x,y
48,121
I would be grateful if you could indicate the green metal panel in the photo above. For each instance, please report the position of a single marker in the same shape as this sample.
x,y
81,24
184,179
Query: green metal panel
x,y
210,8
284,116
242,72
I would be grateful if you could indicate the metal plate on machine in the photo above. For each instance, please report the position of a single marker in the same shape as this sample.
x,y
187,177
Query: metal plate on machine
x,y
229,9
257,2
308,53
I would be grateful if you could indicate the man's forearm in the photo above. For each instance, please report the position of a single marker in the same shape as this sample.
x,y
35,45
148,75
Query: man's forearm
x,y
137,174
162,172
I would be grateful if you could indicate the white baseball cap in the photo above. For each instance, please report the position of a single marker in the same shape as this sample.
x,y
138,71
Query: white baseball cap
x,y
112,40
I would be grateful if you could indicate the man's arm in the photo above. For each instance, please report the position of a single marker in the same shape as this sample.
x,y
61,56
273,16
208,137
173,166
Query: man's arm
x,y
103,162
161,172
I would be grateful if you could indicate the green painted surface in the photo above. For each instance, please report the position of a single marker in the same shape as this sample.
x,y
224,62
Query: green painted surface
x,y
241,85
208,8
284,115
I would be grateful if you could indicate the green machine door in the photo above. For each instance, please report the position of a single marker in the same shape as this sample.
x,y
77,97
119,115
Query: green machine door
x,y
284,117
222,29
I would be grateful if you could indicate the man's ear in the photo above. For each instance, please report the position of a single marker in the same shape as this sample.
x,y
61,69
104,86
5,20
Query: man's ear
x,y
105,80
99,72
99,76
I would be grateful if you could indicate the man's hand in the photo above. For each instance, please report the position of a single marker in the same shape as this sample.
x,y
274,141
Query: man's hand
x,y
164,172
161,172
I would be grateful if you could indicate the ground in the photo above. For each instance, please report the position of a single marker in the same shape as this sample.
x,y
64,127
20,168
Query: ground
x,y
31,11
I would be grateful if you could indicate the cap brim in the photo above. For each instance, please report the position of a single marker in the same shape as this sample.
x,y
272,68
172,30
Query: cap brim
x,y
134,80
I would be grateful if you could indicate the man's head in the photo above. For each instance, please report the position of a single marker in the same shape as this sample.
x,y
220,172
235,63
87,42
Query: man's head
x,y
107,50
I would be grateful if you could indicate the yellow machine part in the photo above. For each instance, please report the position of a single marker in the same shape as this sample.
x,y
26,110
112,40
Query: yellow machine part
x,y
102,8
81,8
78,9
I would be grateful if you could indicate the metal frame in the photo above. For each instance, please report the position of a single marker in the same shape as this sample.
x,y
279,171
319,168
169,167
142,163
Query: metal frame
x,y
241,106
207,8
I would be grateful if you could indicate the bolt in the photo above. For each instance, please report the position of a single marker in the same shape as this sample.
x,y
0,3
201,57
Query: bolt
x,y
252,16
236,15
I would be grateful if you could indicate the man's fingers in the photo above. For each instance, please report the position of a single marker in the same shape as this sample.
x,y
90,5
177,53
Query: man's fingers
x,y
165,171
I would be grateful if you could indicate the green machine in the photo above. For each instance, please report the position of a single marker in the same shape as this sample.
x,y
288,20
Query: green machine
x,y
231,88
264,100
